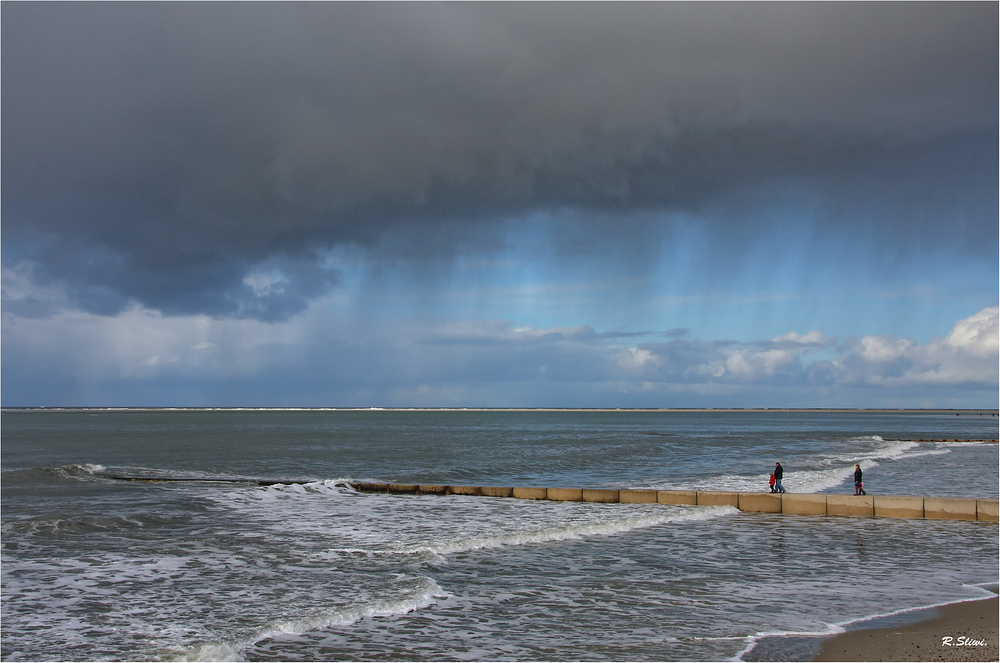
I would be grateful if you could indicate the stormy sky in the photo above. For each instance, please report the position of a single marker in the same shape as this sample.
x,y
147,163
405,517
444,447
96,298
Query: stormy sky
x,y
500,204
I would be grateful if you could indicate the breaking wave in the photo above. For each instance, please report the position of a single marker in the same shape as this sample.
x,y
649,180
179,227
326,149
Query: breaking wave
x,y
416,593
599,527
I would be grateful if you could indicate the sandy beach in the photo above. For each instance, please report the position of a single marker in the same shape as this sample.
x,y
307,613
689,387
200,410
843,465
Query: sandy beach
x,y
971,627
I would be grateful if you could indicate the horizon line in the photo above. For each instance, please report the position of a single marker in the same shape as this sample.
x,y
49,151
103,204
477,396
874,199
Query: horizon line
x,y
238,408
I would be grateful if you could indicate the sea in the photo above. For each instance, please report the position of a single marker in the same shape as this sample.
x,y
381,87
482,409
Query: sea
x,y
220,568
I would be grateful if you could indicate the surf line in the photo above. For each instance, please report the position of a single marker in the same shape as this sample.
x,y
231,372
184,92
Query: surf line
x,y
803,504
252,482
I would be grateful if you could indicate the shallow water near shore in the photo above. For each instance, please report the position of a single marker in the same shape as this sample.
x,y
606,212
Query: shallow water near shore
x,y
808,647
94,568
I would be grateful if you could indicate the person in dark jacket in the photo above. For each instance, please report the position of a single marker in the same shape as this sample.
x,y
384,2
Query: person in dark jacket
x,y
859,485
777,477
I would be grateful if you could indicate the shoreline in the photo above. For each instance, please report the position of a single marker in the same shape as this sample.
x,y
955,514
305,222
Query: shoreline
x,y
908,635
964,631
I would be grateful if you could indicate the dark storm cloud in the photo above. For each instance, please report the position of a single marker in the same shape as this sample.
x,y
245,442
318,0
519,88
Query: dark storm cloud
x,y
200,157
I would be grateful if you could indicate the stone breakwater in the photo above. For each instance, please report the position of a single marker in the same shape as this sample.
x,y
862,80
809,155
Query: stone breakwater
x,y
939,439
818,504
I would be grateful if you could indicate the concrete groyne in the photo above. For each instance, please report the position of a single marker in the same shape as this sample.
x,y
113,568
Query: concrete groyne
x,y
818,504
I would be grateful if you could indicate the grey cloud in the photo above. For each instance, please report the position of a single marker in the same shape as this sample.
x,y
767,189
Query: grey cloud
x,y
163,153
623,334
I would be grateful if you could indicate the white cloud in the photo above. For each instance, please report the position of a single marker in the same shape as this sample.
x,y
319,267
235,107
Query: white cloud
x,y
977,335
884,348
810,338
142,344
325,358
750,365
969,354
635,358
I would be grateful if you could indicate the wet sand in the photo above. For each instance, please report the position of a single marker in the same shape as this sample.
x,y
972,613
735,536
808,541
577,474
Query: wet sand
x,y
972,627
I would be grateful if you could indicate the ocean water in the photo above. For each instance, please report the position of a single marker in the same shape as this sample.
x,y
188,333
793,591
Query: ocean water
x,y
94,568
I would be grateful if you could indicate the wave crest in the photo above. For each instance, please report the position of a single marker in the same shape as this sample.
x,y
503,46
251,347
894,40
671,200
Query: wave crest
x,y
416,593
606,526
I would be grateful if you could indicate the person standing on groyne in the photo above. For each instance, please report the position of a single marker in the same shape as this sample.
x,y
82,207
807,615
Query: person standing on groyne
x,y
859,485
778,471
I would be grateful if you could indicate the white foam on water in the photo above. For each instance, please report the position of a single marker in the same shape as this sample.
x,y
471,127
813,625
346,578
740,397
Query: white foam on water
x,y
241,571
383,525
966,443
809,481
154,601
576,531
818,480
281,492
825,471
210,651
84,472
64,586
563,532
422,553
422,593
223,599
52,524
905,449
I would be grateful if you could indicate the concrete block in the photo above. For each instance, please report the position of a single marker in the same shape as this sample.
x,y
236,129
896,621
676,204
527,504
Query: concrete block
x,y
564,494
599,495
850,505
402,487
494,491
807,504
950,508
718,499
465,490
528,493
637,496
896,506
677,497
760,502
986,510
437,490
370,487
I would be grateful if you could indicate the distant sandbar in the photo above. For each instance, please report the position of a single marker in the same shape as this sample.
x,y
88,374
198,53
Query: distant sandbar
x,y
960,412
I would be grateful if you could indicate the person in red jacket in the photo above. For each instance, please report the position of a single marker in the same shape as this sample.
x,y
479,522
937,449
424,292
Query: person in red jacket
x,y
770,482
